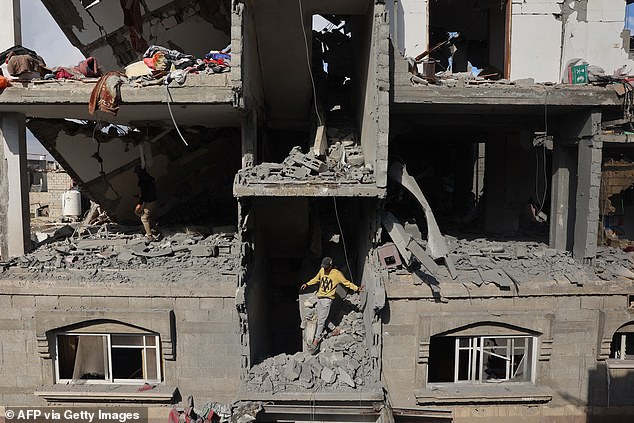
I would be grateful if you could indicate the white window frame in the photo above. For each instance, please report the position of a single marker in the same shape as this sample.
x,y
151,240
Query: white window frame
x,y
109,379
477,350
621,354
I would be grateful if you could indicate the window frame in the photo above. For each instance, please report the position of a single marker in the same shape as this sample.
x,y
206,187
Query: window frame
x,y
621,354
476,349
110,379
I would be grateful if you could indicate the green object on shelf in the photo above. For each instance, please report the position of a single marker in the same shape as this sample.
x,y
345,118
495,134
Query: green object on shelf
x,y
579,74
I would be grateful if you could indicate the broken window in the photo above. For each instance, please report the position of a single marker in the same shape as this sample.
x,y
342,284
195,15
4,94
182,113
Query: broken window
x,y
477,36
115,358
622,346
481,359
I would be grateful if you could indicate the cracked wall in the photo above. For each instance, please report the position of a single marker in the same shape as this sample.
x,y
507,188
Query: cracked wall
x,y
593,32
100,31
192,182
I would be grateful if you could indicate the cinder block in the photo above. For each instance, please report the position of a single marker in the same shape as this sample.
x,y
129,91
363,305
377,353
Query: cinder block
x,y
66,302
196,315
5,301
568,303
121,303
163,303
591,303
216,304
615,302
47,301
23,301
187,304
139,303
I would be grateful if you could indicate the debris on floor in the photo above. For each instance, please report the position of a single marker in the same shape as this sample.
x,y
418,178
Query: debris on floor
x,y
343,163
102,251
342,362
238,412
517,263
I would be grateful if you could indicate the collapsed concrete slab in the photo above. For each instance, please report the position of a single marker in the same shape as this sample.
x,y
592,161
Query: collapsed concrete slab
x,y
102,162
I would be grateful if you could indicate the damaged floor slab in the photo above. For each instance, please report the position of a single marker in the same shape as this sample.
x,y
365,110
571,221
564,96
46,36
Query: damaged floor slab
x,y
477,203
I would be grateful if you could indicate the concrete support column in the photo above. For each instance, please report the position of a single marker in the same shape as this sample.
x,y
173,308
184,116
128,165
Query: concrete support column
x,y
10,24
14,196
587,199
563,197
249,139
15,237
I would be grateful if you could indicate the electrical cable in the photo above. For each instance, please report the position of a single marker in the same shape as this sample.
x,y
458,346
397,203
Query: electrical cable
x,y
345,250
543,201
98,157
310,69
169,107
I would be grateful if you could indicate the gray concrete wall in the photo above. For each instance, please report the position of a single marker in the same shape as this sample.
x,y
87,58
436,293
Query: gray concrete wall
x,y
372,45
572,370
206,363
14,211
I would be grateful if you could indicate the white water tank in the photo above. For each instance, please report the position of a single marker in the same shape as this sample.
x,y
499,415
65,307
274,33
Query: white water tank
x,y
71,203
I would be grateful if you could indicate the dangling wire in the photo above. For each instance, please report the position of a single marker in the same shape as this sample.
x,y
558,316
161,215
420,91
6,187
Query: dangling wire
x,y
310,69
99,159
169,107
543,201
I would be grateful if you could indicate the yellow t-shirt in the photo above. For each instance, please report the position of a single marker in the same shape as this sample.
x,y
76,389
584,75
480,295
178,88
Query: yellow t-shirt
x,y
328,283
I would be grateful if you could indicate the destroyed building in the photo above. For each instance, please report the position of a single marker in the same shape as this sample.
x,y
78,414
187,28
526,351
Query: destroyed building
x,y
467,162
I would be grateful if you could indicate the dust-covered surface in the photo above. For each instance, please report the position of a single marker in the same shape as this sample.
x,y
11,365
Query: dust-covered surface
x,y
112,253
343,163
342,362
516,263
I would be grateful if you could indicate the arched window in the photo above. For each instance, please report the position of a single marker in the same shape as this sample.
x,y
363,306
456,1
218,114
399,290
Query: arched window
x,y
482,353
622,347
107,352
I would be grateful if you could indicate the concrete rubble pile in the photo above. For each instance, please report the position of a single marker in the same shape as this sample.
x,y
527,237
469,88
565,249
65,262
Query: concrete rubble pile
x,y
515,263
342,363
238,412
343,163
110,248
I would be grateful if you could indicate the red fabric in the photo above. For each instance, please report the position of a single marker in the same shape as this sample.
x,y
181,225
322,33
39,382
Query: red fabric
x,y
173,416
105,95
63,74
89,68
149,62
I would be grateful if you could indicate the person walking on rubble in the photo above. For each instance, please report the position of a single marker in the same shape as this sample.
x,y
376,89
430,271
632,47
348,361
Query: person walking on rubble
x,y
147,200
328,279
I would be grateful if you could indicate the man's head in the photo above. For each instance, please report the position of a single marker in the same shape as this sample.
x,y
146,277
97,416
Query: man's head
x,y
326,263
138,169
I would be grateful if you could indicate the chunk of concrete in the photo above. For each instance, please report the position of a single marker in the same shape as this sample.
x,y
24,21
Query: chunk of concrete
x,y
435,241
321,141
400,238
328,375
292,370
345,378
203,250
305,374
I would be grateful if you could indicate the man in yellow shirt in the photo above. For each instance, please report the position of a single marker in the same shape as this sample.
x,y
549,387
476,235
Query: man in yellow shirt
x,y
328,279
